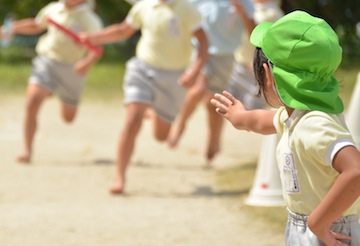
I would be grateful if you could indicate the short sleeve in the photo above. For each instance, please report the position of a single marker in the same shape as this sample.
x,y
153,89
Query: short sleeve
x,y
325,136
193,17
93,23
44,13
134,16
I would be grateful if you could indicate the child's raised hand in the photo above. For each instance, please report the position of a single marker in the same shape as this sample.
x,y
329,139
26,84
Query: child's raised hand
x,y
84,37
226,104
229,107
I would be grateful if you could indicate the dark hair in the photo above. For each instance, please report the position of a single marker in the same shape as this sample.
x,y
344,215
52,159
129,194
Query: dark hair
x,y
259,60
259,71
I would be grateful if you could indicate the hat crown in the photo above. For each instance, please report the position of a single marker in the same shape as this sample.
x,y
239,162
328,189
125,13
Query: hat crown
x,y
305,52
303,42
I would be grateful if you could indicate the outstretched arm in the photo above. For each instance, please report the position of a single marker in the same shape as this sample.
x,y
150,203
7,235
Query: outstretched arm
x,y
111,34
247,21
83,65
259,120
189,78
25,27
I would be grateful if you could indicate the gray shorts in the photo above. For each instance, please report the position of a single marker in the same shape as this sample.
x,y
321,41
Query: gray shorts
x,y
243,86
217,70
298,234
59,78
156,87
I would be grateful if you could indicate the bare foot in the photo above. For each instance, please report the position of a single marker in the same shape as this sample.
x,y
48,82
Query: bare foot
x,y
117,188
212,152
24,158
175,135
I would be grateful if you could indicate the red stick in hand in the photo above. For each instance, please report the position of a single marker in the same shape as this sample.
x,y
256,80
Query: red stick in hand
x,y
97,49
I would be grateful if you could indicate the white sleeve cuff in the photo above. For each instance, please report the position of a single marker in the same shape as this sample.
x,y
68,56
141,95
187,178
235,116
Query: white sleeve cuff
x,y
335,147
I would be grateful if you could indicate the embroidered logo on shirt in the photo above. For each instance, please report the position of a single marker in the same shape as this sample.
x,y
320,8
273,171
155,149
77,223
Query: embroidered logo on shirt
x,y
291,183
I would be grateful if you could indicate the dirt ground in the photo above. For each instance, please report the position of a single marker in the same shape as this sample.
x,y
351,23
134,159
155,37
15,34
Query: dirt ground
x,y
62,199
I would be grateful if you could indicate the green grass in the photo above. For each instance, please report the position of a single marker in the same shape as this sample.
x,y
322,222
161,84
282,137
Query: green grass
x,y
104,79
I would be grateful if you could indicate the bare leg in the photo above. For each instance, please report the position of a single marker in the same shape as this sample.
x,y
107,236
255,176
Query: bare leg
x,y
34,98
161,128
215,129
192,98
134,116
133,121
68,112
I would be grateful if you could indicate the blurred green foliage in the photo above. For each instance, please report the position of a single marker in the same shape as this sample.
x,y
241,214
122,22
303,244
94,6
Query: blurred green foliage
x,y
110,10
343,16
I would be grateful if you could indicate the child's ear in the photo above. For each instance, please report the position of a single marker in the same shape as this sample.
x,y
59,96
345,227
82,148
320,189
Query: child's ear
x,y
269,79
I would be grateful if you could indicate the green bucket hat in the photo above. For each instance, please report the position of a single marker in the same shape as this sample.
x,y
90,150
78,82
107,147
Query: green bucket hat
x,y
305,52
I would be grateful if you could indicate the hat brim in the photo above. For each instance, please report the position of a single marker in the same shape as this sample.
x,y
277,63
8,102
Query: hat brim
x,y
257,35
308,92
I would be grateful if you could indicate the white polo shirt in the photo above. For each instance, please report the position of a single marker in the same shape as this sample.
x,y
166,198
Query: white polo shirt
x,y
166,32
57,45
309,141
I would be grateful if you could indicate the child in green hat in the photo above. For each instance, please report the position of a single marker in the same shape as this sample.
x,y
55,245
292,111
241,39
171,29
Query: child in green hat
x,y
319,164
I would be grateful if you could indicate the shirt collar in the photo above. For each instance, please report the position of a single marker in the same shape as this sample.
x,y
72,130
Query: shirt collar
x,y
80,7
158,2
294,117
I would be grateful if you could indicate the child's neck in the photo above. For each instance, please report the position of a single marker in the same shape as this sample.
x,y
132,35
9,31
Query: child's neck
x,y
289,110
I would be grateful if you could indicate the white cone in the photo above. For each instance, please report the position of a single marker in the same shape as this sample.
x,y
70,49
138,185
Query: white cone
x,y
353,113
266,190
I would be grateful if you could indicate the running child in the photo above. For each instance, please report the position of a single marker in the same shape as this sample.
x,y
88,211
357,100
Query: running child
x,y
60,66
156,78
223,24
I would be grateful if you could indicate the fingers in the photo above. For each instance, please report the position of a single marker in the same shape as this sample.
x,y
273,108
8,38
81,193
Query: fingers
x,y
339,236
226,98
221,104
220,108
230,97
340,239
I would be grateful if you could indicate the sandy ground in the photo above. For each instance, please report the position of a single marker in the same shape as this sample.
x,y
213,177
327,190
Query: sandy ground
x,y
62,199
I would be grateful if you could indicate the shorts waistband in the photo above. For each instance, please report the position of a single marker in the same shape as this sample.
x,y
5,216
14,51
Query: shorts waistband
x,y
304,218
297,216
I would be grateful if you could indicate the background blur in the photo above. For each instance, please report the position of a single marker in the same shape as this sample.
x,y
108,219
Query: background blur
x,y
165,190
343,16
